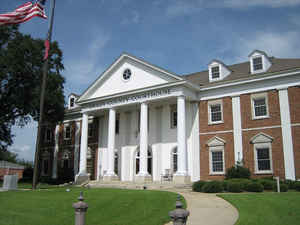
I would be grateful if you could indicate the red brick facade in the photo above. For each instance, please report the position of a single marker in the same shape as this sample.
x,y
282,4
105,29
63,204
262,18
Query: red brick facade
x,y
250,127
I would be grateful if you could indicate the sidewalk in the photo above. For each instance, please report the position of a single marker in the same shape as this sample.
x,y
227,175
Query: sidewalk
x,y
208,209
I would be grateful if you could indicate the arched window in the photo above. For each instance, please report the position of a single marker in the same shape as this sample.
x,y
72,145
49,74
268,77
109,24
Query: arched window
x,y
137,161
174,160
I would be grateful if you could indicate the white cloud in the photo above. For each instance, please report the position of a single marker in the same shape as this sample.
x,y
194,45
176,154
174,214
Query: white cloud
x,y
132,18
274,44
84,68
262,3
184,7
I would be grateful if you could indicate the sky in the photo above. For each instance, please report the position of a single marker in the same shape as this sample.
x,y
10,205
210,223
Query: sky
x,y
182,36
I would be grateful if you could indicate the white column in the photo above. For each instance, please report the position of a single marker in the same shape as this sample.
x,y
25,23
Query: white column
x,y
144,140
56,140
287,140
111,144
76,151
237,129
181,138
84,144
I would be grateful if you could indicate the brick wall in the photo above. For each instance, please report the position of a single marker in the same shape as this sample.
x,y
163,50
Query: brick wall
x,y
5,171
226,127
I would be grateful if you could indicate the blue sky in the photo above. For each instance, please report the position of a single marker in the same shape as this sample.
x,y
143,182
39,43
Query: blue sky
x,y
181,36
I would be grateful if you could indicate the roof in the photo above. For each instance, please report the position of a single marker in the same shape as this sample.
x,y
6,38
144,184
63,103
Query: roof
x,y
241,71
5,164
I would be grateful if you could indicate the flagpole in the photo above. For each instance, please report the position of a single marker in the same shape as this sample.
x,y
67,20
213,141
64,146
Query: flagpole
x,y
42,99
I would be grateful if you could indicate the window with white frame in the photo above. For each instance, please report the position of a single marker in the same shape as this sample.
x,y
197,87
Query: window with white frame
x,y
262,145
216,160
259,106
215,113
48,135
67,131
216,156
215,72
72,102
173,116
257,63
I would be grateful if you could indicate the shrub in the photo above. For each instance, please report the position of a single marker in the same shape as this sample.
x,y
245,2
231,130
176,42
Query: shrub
x,y
268,184
290,183
225,185
237,172
297,186
197,186
283,187
235,187
243,182
254,187
212,187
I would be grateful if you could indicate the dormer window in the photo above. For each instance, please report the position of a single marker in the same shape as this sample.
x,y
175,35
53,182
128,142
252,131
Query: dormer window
x,y
72,102
215,72
257,63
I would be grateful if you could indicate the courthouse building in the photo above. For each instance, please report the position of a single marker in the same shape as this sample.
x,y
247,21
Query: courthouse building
x,y
140,123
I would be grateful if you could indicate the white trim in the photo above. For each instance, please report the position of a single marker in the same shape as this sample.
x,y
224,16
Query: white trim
x,y
214,103
255,80
259,146
217,132
216,149
295,124
259,96
287,139
261,128
237,129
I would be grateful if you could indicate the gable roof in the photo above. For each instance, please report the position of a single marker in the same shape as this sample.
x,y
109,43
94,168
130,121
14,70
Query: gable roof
x,y
241,71
122,57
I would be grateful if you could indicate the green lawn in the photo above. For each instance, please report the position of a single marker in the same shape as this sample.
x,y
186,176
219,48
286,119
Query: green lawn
x,y
106,207
266,208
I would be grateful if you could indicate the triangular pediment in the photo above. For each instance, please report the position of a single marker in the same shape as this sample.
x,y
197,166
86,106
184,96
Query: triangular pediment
x,y
261,138
142,75
216,141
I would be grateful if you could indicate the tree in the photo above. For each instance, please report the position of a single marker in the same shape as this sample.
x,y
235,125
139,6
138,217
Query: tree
x,y
21,67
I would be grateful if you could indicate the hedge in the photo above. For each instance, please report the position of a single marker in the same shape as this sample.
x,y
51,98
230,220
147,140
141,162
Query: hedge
x,y
212,187
197,186
234,187
254,187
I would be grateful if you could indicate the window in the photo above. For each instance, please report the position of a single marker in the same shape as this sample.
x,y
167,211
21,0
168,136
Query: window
x,y
48,135
216,160
215,72
126,74
215,112
45,166
91,129
72,102
216,156
174,160
67,129
257,63
262,153
259,106
118,123
173,117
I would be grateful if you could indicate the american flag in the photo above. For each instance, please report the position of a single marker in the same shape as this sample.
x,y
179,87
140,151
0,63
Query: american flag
x,y
24,13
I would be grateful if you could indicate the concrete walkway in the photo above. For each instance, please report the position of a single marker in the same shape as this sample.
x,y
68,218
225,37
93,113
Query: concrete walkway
x,y
208,209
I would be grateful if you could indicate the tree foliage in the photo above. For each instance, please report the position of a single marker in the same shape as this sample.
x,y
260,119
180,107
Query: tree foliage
x,y
21,70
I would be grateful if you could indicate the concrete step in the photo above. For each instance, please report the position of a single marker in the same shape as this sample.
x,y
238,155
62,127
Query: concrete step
x,y
131,185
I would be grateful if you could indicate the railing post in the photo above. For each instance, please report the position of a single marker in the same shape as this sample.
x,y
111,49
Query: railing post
x,y
80,210
179,216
